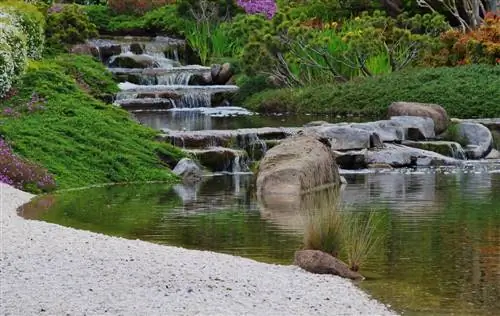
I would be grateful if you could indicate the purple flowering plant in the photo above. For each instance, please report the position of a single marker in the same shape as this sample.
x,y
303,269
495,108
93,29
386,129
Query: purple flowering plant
x,y
266,7
22,174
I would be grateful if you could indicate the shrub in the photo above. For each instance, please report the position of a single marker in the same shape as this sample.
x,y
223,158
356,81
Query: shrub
x,y
32,23
21,173
69,25
480,46
266,7
465,92
6,68
137,7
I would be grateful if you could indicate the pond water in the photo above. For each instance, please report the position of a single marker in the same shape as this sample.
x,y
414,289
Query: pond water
x,y
440,255
194,119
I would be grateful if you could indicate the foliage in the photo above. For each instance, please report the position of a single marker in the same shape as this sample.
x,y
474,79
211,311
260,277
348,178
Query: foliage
x,y
30,21
21,173
266,7
360,236
80,140
135,7
70,25
466,92
480,46
250,86
223,9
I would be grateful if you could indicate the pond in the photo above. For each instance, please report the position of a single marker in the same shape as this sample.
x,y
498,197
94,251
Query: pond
x,y
440,255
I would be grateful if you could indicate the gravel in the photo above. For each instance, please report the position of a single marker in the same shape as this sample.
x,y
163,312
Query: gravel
x,y
53,270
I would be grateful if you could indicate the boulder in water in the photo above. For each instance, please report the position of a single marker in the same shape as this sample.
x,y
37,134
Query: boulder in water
x,y
219,159
398,156
436,112
136,48
296,165
477,137
319,262
188,170
341,137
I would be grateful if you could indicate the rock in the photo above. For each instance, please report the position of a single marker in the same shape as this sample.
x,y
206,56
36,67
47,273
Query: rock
x,y
319,262
201,79
416,128
445,148
296,165
188,170
388,131
214,72
351,159
436,112
129,60
399,156
224,75
108,51
341,137
315,123
85,49
136,48
494,154
478,138
219,159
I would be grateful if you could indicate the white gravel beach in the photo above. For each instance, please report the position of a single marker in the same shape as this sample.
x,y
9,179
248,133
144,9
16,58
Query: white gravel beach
x,y
48,269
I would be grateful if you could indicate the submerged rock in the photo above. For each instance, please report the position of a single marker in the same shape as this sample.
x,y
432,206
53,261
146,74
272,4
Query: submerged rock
x,y
189,170
319,262
296,165
436,112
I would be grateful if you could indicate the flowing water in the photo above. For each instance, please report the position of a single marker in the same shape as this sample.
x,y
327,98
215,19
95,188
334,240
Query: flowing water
x,y
440,255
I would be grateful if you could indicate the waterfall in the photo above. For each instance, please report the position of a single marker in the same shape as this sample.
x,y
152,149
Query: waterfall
x,y
180,78
457,151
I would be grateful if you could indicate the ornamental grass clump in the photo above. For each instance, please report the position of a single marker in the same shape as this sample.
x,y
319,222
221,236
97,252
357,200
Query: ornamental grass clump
x,y
22,174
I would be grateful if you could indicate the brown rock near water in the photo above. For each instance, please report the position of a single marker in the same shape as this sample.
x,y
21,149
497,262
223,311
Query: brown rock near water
x,y
296,165
436,112
319,262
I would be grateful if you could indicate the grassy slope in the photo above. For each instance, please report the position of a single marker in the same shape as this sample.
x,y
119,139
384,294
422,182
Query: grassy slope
x,y
467,91
79,139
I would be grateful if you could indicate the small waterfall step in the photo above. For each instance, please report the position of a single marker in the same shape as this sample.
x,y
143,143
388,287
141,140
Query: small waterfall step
x,y
445,148
183,96
221,159
240,138
159,46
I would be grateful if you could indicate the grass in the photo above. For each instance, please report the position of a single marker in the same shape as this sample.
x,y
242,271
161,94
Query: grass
x,y
465,92
79,139
360,236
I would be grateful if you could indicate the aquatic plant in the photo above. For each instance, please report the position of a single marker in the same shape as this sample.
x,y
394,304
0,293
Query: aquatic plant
x,y
360,236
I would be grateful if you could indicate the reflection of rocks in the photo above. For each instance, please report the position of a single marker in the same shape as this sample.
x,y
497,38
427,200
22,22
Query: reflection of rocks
x,y
296,165
188,170
316,261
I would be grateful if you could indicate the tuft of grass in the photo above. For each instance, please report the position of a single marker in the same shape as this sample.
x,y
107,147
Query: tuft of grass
x,y
80,140
323,222
360,234
465,92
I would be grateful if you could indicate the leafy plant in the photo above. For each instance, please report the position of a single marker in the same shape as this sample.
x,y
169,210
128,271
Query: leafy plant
x,y
69,25
136,7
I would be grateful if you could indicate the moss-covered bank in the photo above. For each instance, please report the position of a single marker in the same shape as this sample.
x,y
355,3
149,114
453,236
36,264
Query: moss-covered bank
x,y
465,92
55,119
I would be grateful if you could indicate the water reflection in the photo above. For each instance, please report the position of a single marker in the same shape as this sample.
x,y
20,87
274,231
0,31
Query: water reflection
x,y
442,253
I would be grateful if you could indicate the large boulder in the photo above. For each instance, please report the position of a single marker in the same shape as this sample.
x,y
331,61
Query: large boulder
x,y
319,262
296,165
416,128
188,170
436,112
478,138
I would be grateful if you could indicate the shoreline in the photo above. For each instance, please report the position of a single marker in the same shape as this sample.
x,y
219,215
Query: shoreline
x,y
54,270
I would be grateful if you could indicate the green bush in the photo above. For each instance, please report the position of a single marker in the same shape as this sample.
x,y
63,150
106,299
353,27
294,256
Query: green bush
x,y
465,92
32,23
80,140
70,25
